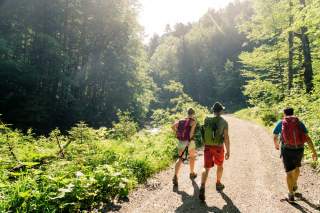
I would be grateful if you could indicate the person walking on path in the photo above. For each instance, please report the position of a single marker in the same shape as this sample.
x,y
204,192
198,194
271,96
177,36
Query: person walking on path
x,y
215,136
293,136
184,130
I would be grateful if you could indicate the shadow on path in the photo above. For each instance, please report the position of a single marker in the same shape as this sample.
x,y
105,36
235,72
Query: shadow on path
x,y
312,205
302,208
191,203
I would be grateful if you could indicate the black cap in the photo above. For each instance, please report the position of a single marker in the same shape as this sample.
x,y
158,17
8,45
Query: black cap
x,y
288,111
217,107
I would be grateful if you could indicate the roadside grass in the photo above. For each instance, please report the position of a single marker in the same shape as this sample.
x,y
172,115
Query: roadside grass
x,y
250,114
86,168
269,118
93,170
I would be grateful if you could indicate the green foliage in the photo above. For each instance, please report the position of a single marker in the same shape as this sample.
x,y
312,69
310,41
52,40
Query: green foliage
x,y
262,93
160,117
267,65
88,167
93,170
81,133
203,57
306,108
124,128
71,61
268,116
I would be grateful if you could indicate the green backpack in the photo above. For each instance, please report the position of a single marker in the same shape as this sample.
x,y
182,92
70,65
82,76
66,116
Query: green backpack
x,y
211,133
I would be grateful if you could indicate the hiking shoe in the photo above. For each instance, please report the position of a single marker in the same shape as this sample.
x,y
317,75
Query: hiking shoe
x,y
219,187
295,188
291,198
193,175
175,180
202,197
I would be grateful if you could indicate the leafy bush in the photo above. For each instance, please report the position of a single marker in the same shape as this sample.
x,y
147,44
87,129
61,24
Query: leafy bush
x,y
268,116
125,127
93,169
87,167
160,117
306,108
262,93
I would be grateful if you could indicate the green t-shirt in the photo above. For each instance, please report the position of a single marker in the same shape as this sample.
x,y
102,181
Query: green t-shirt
x,y
214,127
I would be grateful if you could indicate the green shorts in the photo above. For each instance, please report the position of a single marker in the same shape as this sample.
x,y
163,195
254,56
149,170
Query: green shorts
x,y
182,145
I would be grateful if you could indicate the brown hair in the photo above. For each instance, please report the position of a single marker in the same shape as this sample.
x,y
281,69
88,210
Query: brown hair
x,y
191,111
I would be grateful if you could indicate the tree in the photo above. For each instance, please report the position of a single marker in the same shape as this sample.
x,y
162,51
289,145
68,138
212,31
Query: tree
x,y
203,56
71,60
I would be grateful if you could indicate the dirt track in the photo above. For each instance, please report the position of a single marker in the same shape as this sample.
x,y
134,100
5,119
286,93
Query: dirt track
x,y
254,180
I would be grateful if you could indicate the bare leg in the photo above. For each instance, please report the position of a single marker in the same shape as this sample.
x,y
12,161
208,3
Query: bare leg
x,y
192,154
178,165
296,176
204,176
290,181
219,173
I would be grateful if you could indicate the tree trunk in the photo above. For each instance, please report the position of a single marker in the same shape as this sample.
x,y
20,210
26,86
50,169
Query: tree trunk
x,y
291,51
290,60
299,69
308,71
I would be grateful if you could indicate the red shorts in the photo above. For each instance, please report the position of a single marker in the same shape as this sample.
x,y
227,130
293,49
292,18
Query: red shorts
x,y
213,155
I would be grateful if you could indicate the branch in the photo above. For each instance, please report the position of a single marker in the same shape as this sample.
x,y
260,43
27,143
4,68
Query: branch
x,y
67,144
299,35
61,149
11,150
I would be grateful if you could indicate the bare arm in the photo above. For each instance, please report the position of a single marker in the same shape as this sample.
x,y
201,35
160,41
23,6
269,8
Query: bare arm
x,y
174,127
193,129
275,141
311,147
227,142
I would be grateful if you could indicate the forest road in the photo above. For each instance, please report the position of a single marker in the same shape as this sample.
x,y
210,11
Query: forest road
x,y
254,178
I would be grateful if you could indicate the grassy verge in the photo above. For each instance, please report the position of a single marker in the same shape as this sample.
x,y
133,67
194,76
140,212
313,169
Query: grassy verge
x,y
91,170
249,114
86,168
269,120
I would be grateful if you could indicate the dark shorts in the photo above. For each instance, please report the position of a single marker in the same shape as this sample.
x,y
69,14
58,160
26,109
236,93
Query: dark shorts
x,y
292,158
213,155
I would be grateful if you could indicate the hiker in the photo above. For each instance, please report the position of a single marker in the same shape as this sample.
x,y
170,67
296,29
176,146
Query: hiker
x,y
293,135
184,130
215,137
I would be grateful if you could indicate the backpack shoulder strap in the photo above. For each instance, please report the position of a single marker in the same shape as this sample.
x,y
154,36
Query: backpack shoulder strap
x,y
208,119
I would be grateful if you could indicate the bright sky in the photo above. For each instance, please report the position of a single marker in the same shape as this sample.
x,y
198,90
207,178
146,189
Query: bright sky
x,y
156,14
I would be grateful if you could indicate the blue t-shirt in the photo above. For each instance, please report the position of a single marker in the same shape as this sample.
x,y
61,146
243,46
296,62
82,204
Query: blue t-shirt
x,y
277,130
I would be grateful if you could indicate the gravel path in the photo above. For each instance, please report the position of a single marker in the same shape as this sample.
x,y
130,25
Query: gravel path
x,y
254,178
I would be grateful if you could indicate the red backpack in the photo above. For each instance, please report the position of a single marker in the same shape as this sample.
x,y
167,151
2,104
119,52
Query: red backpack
x,y
292,133
184,129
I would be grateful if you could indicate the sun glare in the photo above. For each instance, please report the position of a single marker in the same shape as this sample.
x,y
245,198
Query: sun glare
x,y
156,14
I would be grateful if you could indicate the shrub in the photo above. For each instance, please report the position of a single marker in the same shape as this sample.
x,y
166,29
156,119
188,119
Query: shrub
x,y
125,128
160,117
94,170
96,166
269,117
262,93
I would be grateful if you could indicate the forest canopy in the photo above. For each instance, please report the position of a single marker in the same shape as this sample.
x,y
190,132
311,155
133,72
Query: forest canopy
x,y
65,61
96,104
